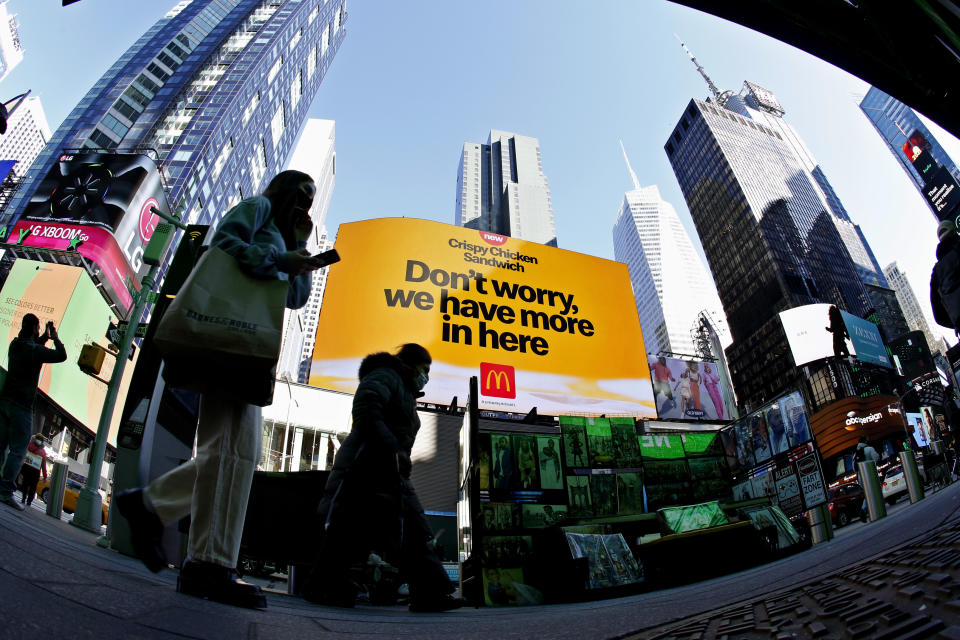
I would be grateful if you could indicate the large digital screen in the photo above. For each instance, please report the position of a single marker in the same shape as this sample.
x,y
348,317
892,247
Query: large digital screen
x,y
688,389
67,297
765,433
98,204
920,428
539,326
817,331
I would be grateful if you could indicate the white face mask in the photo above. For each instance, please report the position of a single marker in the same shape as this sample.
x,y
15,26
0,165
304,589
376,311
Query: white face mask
x,y
37,442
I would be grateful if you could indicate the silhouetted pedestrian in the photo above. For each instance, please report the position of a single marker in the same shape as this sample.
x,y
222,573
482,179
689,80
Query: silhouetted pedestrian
x,y
945,278
369,502
26,356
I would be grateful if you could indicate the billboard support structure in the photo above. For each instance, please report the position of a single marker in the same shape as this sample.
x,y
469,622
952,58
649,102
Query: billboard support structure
x,y
87,514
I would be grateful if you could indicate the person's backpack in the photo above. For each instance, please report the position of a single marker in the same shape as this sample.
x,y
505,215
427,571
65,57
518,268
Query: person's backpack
x,y
948,271
860,455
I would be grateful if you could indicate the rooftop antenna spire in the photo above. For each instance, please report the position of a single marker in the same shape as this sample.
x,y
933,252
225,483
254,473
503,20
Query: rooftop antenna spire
x,y
636,183
703,72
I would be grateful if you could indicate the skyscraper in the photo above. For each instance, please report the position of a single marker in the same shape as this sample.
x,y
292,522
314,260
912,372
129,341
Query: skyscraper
x,y
216,90
670,284
501,188
774,231
910,305
27,134
897,123
11,52
315,155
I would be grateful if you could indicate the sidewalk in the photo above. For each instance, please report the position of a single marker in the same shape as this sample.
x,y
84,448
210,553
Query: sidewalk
x,y
901,575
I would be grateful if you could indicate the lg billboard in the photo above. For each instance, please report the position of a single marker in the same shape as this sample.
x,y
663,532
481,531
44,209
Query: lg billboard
x,y
539,326
99,205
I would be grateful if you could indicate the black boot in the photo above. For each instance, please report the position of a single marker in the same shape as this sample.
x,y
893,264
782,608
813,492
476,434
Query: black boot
x,y
220,584
146,530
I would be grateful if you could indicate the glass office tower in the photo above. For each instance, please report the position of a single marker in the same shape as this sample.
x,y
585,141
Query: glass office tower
x,y
216,91
774,232
896,123
912,311
670,284
501,188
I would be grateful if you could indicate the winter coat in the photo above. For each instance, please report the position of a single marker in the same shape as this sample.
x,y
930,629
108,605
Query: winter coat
x,y
945,283
375,457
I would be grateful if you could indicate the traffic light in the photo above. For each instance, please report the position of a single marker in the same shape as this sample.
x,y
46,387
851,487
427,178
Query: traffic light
x,y
91,359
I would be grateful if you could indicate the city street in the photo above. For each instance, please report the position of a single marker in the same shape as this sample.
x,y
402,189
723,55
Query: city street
x,y
57,582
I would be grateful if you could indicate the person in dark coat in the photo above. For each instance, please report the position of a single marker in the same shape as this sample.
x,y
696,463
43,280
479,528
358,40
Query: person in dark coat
x,y
369,502
945,279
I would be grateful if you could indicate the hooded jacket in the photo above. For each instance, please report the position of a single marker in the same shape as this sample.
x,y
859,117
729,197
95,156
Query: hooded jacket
x,y
385,420
385,424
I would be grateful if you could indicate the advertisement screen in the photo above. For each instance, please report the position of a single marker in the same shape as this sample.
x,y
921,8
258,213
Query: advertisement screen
x,y
701,443
688,389
817,331
661,446
919,428
942,192
65,296
765,433
915,146
109,192
540,327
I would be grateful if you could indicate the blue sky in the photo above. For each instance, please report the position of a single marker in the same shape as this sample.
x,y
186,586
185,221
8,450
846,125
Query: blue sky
x,y
413,81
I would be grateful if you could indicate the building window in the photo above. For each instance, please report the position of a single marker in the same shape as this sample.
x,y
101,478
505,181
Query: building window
x,y
124,109
248,112
157,72
100,140
148,84
137,97
296,89
168,61
277,124
275,69
114,125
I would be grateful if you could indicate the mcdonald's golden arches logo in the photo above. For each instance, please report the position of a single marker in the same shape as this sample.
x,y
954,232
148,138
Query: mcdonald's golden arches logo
x,y
497,380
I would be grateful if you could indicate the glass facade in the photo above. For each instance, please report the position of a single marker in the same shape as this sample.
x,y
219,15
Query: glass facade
x,y
501,188
895,122
774,237
670,284
201,91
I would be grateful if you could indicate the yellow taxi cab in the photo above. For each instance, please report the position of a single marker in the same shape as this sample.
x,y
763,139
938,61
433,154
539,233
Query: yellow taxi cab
x,y
70,496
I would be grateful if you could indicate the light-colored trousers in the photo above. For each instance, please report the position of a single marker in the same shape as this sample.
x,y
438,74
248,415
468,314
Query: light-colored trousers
x,y
214,487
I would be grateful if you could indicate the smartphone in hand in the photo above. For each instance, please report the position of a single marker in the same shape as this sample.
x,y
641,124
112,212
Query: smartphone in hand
x,y
326,258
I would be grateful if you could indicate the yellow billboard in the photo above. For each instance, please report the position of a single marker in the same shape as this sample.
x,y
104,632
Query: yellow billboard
x,y
539,326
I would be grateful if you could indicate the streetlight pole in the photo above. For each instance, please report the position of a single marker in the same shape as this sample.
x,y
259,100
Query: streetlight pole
x,y
87,514
286,432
